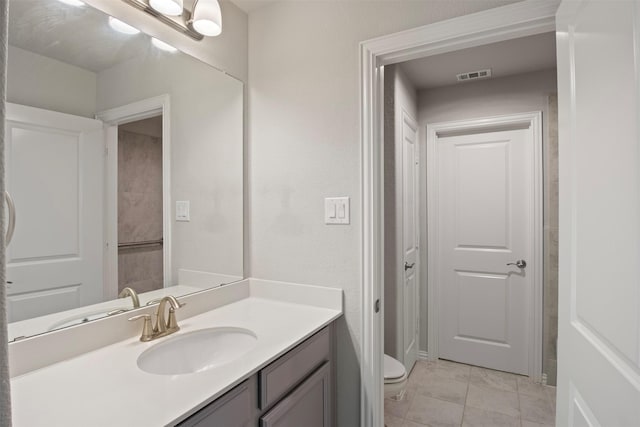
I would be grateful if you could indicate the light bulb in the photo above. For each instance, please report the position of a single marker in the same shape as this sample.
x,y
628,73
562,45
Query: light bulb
x,y
167,7
76,3
121,27
162,45
207,18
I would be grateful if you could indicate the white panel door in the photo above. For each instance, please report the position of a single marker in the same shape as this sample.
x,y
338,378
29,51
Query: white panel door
x,y
54,171
599,293
485,214
410,240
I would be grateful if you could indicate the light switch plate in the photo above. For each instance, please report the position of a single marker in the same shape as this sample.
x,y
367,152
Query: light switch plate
x,y
336,210
182,211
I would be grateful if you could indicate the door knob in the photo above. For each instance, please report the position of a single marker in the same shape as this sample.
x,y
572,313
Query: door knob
x,y
407,266
519,263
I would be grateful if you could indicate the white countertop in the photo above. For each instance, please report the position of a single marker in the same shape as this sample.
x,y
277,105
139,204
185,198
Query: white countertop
x,y
105,387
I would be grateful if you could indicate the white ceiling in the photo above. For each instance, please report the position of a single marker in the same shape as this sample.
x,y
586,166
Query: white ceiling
x,y
80,36
250,5
506,58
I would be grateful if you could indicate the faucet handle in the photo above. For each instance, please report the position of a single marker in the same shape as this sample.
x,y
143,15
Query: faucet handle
x,y
172,323
117,311
147,329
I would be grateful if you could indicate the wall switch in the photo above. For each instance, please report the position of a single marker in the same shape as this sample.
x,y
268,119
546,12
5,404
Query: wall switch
x,y
336,210
182,211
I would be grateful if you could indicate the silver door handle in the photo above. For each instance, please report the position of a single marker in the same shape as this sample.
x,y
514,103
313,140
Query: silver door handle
x,y
519,263
407,266
11,227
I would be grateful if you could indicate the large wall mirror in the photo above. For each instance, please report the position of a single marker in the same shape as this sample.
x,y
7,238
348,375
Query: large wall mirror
x,y
124,165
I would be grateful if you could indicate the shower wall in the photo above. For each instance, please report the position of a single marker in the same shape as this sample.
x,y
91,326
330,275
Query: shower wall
x,y
140,205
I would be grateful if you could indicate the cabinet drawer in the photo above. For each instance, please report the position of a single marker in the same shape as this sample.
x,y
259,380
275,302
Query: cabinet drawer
x,y
283,375
309,405
234,409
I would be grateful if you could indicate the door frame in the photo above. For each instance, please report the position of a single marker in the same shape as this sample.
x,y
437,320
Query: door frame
x,y
520,19
533,121
113,117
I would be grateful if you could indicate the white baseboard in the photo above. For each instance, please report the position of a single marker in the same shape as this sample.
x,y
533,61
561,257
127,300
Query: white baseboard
x,y
422,355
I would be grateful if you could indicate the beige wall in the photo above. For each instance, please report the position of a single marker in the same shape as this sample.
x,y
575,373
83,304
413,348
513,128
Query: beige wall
x,y
304,145
41,82
508,95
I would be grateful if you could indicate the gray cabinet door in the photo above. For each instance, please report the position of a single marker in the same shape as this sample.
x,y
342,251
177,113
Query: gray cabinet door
x,y
279,378
234,409
309,405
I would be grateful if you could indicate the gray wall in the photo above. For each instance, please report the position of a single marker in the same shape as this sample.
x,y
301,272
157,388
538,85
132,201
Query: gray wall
x,y
399,96
508,95
304,145
41,82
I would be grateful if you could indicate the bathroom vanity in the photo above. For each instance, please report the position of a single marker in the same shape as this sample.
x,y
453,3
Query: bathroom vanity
x,y
295,390
98,373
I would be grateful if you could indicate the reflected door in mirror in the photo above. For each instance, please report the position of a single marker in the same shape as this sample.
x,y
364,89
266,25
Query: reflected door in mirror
x,y
54,171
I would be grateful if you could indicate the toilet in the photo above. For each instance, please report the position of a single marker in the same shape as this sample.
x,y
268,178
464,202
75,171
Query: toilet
x,y
395,378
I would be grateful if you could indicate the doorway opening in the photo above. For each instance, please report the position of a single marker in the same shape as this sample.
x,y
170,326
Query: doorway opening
x,y
390,53
138,214
140,210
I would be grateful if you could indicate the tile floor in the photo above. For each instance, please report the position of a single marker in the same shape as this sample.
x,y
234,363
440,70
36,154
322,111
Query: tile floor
x,y
445,393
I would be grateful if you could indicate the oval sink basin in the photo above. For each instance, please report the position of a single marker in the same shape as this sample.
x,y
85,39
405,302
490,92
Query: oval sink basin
x,y
197,351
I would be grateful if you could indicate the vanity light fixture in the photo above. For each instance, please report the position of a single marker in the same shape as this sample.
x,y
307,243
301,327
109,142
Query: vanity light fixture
x,y
162,45
167,7
207,17
76,3
204,19
121,27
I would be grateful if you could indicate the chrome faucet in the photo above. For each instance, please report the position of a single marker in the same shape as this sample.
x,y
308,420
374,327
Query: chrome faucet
x,y
130,292
163,327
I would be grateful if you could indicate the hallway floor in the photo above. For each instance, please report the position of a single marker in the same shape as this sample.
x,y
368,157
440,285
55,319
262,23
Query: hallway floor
x,y
445,393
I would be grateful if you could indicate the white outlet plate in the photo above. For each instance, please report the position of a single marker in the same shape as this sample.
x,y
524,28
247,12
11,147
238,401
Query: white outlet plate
x,y
336,210
182,210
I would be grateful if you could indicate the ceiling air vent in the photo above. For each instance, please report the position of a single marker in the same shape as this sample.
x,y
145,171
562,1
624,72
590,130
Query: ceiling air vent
x,y
474,75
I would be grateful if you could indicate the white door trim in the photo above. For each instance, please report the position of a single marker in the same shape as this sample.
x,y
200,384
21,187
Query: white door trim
x,y
532,120
112,118
503,23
